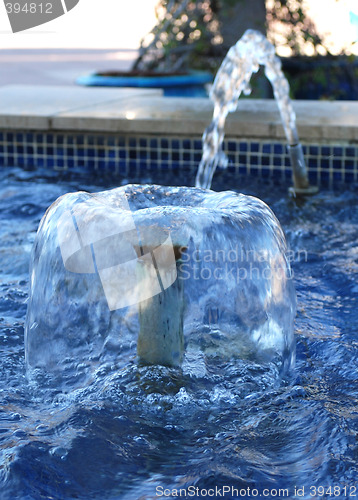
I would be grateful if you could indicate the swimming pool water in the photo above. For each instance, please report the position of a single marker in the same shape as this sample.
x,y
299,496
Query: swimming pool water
x,y
135,431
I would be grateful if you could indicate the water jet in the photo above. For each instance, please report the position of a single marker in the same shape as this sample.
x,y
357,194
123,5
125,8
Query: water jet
x,y
232,79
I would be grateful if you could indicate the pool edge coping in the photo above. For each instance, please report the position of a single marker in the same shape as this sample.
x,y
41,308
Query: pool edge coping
x,y
147,111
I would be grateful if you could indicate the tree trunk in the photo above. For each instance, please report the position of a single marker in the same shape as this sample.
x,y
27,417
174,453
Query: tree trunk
x,y
235,20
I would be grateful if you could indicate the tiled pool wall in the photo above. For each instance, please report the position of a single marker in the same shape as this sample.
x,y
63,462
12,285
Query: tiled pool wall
x,y
129,154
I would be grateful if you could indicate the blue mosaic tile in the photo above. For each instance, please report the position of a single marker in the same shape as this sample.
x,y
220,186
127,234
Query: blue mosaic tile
x,y
243,159
277,173
118,154
338,151
351,152
143,156
60,152
324,175
313,150
337,176
337,164
197,158
312,175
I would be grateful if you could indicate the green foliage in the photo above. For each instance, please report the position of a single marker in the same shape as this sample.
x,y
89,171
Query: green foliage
x,y
290,26
186,36
187,33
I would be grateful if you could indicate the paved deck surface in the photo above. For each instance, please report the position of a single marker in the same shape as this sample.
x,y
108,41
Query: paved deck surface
x,y
58,66
146,111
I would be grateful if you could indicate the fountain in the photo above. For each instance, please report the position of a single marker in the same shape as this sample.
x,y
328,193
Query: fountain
x,y
233,77
175,271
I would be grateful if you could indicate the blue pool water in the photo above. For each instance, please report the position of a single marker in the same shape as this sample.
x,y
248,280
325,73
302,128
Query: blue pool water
x,y
135,431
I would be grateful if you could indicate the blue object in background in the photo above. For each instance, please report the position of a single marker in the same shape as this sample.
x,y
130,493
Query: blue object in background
x,y
190,85
353,19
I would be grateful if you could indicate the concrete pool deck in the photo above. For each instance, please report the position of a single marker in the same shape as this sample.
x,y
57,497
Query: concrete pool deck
x,y
146,111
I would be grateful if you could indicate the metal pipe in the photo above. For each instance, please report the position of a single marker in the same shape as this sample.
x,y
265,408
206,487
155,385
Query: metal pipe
x,y
301,185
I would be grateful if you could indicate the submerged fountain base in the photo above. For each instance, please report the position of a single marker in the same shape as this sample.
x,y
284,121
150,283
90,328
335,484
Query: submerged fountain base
x,y
163,265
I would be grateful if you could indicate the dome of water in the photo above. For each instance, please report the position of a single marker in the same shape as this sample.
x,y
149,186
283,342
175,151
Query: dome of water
x,y
118,267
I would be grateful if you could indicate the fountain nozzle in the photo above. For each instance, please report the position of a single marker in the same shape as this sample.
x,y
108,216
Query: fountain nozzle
x,y
301,185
